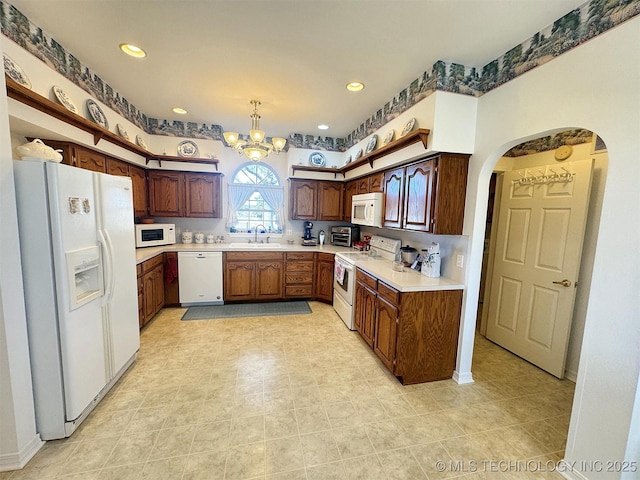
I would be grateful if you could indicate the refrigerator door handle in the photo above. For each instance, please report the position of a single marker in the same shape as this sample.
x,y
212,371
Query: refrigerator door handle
x,y
106,244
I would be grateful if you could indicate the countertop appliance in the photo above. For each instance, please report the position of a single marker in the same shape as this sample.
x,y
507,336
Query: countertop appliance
x,y
344,236
155,234
200,275
344,277
308,240
79,268
367,209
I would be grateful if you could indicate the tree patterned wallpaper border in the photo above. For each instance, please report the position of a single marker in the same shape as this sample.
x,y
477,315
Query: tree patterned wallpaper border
x,y
585,22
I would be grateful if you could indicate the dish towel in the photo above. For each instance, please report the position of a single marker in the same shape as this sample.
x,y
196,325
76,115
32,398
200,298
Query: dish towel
x,y
170,269
339,272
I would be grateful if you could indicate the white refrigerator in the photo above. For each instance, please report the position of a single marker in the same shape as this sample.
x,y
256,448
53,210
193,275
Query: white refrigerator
x,y
79,268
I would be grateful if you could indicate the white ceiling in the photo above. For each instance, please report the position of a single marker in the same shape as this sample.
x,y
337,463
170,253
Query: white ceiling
x,y
212,57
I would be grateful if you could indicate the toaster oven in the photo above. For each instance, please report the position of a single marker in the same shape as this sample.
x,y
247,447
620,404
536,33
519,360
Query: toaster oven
x,y
344,236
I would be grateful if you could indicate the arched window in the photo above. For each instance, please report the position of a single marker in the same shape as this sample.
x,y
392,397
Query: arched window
x,y
256,197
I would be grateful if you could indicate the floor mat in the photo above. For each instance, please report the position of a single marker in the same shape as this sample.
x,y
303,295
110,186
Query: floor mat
x,y
246,310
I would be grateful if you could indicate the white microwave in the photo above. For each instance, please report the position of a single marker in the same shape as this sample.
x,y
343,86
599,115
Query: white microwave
x,y
366,209
154,234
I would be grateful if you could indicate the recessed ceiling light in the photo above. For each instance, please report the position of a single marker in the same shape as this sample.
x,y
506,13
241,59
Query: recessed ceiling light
x,y
355,86
179,110
323,127
133,50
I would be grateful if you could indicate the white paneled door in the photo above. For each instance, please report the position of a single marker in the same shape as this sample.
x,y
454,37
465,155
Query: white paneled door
x,y
538,247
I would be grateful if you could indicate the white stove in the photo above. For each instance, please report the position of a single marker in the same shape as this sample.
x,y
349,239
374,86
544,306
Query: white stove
x,y
344,283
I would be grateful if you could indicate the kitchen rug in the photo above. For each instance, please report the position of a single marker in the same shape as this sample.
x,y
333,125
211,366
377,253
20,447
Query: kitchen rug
x,y
246,310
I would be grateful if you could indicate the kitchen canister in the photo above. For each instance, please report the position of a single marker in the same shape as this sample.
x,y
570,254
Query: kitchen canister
x,y
431,262
187,237
211,238
199,236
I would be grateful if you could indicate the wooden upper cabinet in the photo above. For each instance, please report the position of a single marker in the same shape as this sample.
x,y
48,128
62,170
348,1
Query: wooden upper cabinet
x,y
394,197
330,201
140,194
303,196
450,192
376,182
363,185
428,195
117,167
90,160
350,189
202,195
419,182
178,194
166,191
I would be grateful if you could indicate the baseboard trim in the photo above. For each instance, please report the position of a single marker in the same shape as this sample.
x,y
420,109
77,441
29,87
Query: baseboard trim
x,y
16,461
571,375
462,378
565,469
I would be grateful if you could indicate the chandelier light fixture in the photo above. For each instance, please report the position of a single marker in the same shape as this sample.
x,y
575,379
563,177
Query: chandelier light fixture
x,y
256,148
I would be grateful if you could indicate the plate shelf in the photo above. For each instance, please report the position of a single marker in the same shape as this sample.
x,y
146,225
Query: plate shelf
x,y
311,168
419,135
43,104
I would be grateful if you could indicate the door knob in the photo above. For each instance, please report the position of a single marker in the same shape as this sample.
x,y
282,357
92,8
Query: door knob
x,y
564,283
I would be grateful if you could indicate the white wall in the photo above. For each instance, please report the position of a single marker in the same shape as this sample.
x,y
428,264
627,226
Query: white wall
x,y
594,86
18,438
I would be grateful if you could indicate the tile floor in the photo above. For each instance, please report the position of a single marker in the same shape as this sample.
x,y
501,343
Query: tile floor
x,y
302,398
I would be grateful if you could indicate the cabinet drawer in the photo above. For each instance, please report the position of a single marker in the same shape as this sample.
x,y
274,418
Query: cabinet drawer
x,y
150,264
367,279
299,278
138,269
300,267
250,256
389,294
298,291
325,257
307,256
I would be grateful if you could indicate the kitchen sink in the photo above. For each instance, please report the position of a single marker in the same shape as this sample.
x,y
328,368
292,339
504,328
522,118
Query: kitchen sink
x,y
266,246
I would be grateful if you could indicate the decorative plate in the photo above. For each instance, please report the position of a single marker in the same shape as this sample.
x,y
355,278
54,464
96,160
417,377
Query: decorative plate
x,y
122,132
141,143
317,159
388,138
188,148
357,155
97,115
371,146
15,73
408,127
348,160
64,99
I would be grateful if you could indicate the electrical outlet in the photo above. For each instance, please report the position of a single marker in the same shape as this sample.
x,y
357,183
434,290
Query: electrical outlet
x,y
289,231
459,261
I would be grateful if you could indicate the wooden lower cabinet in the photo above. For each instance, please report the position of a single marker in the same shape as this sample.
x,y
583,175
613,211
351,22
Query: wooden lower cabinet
x,y
259,276
299,270
415,334
269,277
253,276
150,288
324,277
384,344
365,309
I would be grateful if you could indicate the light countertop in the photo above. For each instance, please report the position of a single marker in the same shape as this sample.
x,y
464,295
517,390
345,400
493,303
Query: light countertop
x,y
143,254
406,281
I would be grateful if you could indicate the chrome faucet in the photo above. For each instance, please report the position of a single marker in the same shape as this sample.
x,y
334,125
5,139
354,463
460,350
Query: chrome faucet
x,y
255,238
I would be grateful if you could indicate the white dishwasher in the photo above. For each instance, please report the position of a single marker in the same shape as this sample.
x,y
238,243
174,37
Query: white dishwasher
x,y
200,278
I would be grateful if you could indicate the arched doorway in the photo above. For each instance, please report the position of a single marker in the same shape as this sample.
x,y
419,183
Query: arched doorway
x,y
553,151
